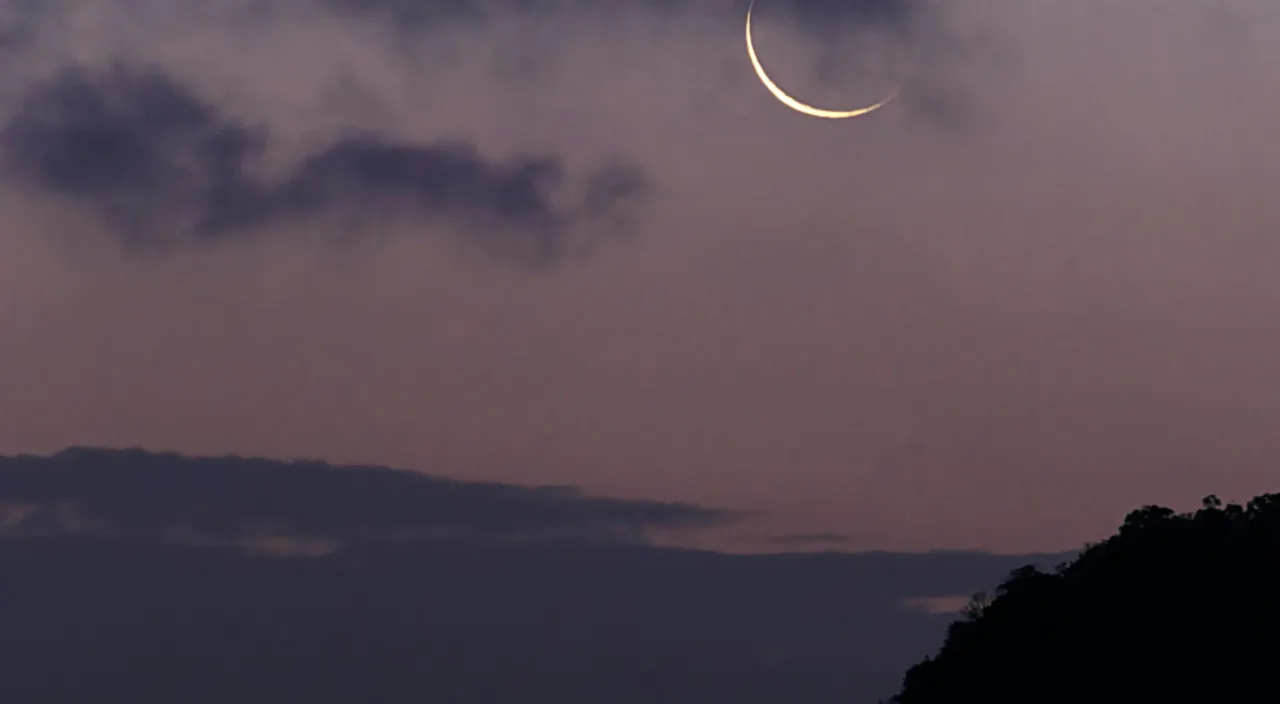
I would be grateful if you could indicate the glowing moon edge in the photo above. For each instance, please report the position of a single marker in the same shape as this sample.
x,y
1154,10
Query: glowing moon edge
x,y
796,105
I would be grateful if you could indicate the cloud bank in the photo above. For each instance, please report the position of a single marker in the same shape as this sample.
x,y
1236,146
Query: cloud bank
x,y
505,592
145,495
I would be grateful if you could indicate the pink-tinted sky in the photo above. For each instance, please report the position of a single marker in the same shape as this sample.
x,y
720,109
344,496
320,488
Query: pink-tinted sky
x,y
1037,292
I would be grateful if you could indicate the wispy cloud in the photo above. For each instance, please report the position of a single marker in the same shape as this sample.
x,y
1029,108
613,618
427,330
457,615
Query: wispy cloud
x,y
163,164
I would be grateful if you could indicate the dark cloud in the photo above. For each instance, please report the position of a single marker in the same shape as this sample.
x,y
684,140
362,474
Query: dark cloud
x,y
421,14
158,160
145,494
826,18
142,617
367,174
143,621
151,624
813,14
137,145
18,20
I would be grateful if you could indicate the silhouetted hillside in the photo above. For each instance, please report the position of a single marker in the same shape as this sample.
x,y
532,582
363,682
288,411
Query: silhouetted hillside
x,y
1174,607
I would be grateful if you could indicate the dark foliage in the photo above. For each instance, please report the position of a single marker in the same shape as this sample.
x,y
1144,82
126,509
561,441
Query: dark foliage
x,y
1174,607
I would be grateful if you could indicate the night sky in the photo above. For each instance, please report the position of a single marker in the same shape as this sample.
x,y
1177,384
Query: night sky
x,y
577,242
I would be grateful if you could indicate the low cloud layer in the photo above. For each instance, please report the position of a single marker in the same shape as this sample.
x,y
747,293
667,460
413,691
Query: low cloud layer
x,y
519,592
144,495
576,625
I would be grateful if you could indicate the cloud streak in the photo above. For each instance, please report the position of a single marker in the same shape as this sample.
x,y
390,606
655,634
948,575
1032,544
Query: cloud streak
x,y
146,495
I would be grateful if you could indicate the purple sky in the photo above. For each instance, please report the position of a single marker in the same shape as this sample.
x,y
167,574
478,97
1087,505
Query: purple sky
x,y
1034,294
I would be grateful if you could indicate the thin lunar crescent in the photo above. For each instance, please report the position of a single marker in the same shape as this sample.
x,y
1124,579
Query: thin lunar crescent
x,y
796,104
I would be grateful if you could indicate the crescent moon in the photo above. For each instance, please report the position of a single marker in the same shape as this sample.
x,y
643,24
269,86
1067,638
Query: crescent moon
x,y
794,104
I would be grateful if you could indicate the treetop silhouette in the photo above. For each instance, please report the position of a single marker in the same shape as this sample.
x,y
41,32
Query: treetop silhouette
x,y
1173,606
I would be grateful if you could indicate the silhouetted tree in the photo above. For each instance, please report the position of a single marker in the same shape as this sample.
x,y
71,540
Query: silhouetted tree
x,y
1173,607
